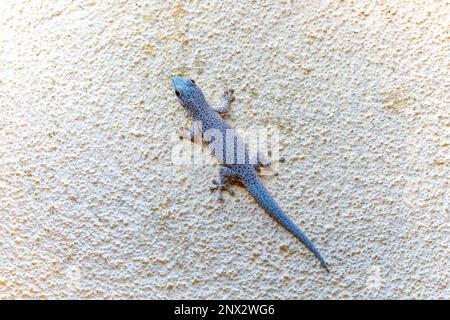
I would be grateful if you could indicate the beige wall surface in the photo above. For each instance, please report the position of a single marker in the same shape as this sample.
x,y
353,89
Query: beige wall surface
x,y
92,205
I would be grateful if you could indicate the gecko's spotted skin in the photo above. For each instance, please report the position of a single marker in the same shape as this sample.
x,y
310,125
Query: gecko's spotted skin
x,y
237,165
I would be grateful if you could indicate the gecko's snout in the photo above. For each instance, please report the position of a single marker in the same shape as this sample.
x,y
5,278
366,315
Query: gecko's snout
x,y
180,82
176,81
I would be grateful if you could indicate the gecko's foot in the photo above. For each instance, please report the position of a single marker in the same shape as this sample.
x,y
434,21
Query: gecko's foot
x,y
266,168
186,134
228,98
220,187
229,95
263,159
266,171
265,163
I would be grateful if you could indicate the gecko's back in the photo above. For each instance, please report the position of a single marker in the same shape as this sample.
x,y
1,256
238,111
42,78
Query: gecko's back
x,y
225,143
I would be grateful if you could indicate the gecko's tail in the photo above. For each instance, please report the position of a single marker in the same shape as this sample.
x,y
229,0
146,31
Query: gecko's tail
x,y
265,200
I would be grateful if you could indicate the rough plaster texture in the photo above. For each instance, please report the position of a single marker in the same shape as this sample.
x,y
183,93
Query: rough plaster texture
x,y
92,207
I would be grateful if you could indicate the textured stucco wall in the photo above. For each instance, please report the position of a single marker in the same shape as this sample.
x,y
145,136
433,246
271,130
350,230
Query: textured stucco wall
x,y
92,207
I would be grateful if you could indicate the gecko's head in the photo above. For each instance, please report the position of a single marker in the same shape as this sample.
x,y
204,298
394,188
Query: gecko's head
x,y
189,95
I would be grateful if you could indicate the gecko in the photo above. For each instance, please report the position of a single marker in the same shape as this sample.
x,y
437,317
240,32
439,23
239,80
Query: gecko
x,y
235,163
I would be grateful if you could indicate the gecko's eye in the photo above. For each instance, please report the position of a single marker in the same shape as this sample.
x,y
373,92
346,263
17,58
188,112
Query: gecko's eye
x,y
193,81
177,93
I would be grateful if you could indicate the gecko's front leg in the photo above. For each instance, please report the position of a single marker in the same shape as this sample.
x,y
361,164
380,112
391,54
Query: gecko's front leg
x,y
228,97
190,134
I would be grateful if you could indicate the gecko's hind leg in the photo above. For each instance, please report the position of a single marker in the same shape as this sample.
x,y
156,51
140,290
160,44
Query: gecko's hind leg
x,y
228,97
222,183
